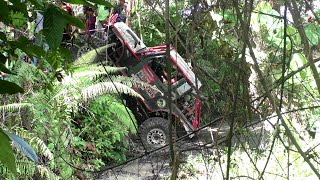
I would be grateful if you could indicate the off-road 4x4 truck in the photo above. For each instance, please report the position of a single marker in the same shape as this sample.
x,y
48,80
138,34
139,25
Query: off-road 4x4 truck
x,y
147,64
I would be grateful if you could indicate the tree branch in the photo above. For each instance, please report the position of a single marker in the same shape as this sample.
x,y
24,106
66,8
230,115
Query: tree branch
x,y
271,98
307,50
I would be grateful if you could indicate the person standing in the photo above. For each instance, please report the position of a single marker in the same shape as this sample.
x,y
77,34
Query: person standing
x,y
91,22
121,10
84,15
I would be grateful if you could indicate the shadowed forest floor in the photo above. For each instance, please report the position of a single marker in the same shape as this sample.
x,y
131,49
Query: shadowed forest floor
x,y
157,165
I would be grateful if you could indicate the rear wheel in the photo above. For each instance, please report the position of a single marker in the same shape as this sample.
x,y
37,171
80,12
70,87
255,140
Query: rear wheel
x,y
154,133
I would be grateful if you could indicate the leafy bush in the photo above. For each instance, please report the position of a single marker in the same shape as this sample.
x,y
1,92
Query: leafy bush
x,y
104,129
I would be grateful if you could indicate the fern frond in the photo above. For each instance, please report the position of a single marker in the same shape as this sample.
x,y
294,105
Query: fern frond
x,y
89,57
123,117
25,168
97,67
46,173
42,148
15,107
108,70
89,74
131,82
107,87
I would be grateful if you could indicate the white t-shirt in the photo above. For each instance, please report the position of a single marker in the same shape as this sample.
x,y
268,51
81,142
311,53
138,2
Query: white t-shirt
x,y
39,23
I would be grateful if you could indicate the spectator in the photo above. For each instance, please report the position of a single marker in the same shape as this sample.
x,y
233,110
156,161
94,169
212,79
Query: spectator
x,y
84,16
121,10
91,22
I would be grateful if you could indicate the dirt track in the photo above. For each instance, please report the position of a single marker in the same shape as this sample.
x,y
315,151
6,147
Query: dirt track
x,y
156,165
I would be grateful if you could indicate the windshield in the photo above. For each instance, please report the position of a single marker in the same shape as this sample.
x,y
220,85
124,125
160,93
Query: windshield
x,y
130,38
184,67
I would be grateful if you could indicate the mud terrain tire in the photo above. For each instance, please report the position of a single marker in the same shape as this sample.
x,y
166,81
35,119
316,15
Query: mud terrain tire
x,y
154,133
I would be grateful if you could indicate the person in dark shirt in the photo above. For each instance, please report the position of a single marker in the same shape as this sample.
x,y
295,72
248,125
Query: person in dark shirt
x,y
91,22
121,10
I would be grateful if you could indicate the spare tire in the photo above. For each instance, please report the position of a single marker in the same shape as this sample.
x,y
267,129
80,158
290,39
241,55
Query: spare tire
x,y
154,133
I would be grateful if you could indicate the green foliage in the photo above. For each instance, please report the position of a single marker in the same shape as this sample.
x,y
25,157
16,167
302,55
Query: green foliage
x,y
152,25
14,107
107,125
55,20
46,173
95,70
51,128
267,21
9,87
89,57
15,14
47,115
298,60
89,2
18,19
25,148
107,87
313,32
6,153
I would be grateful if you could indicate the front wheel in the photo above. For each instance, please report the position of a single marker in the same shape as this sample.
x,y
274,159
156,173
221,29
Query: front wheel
x,y
154,133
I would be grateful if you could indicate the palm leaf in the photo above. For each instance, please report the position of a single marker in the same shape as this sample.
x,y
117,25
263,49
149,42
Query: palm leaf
x,y
15,107
107,87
